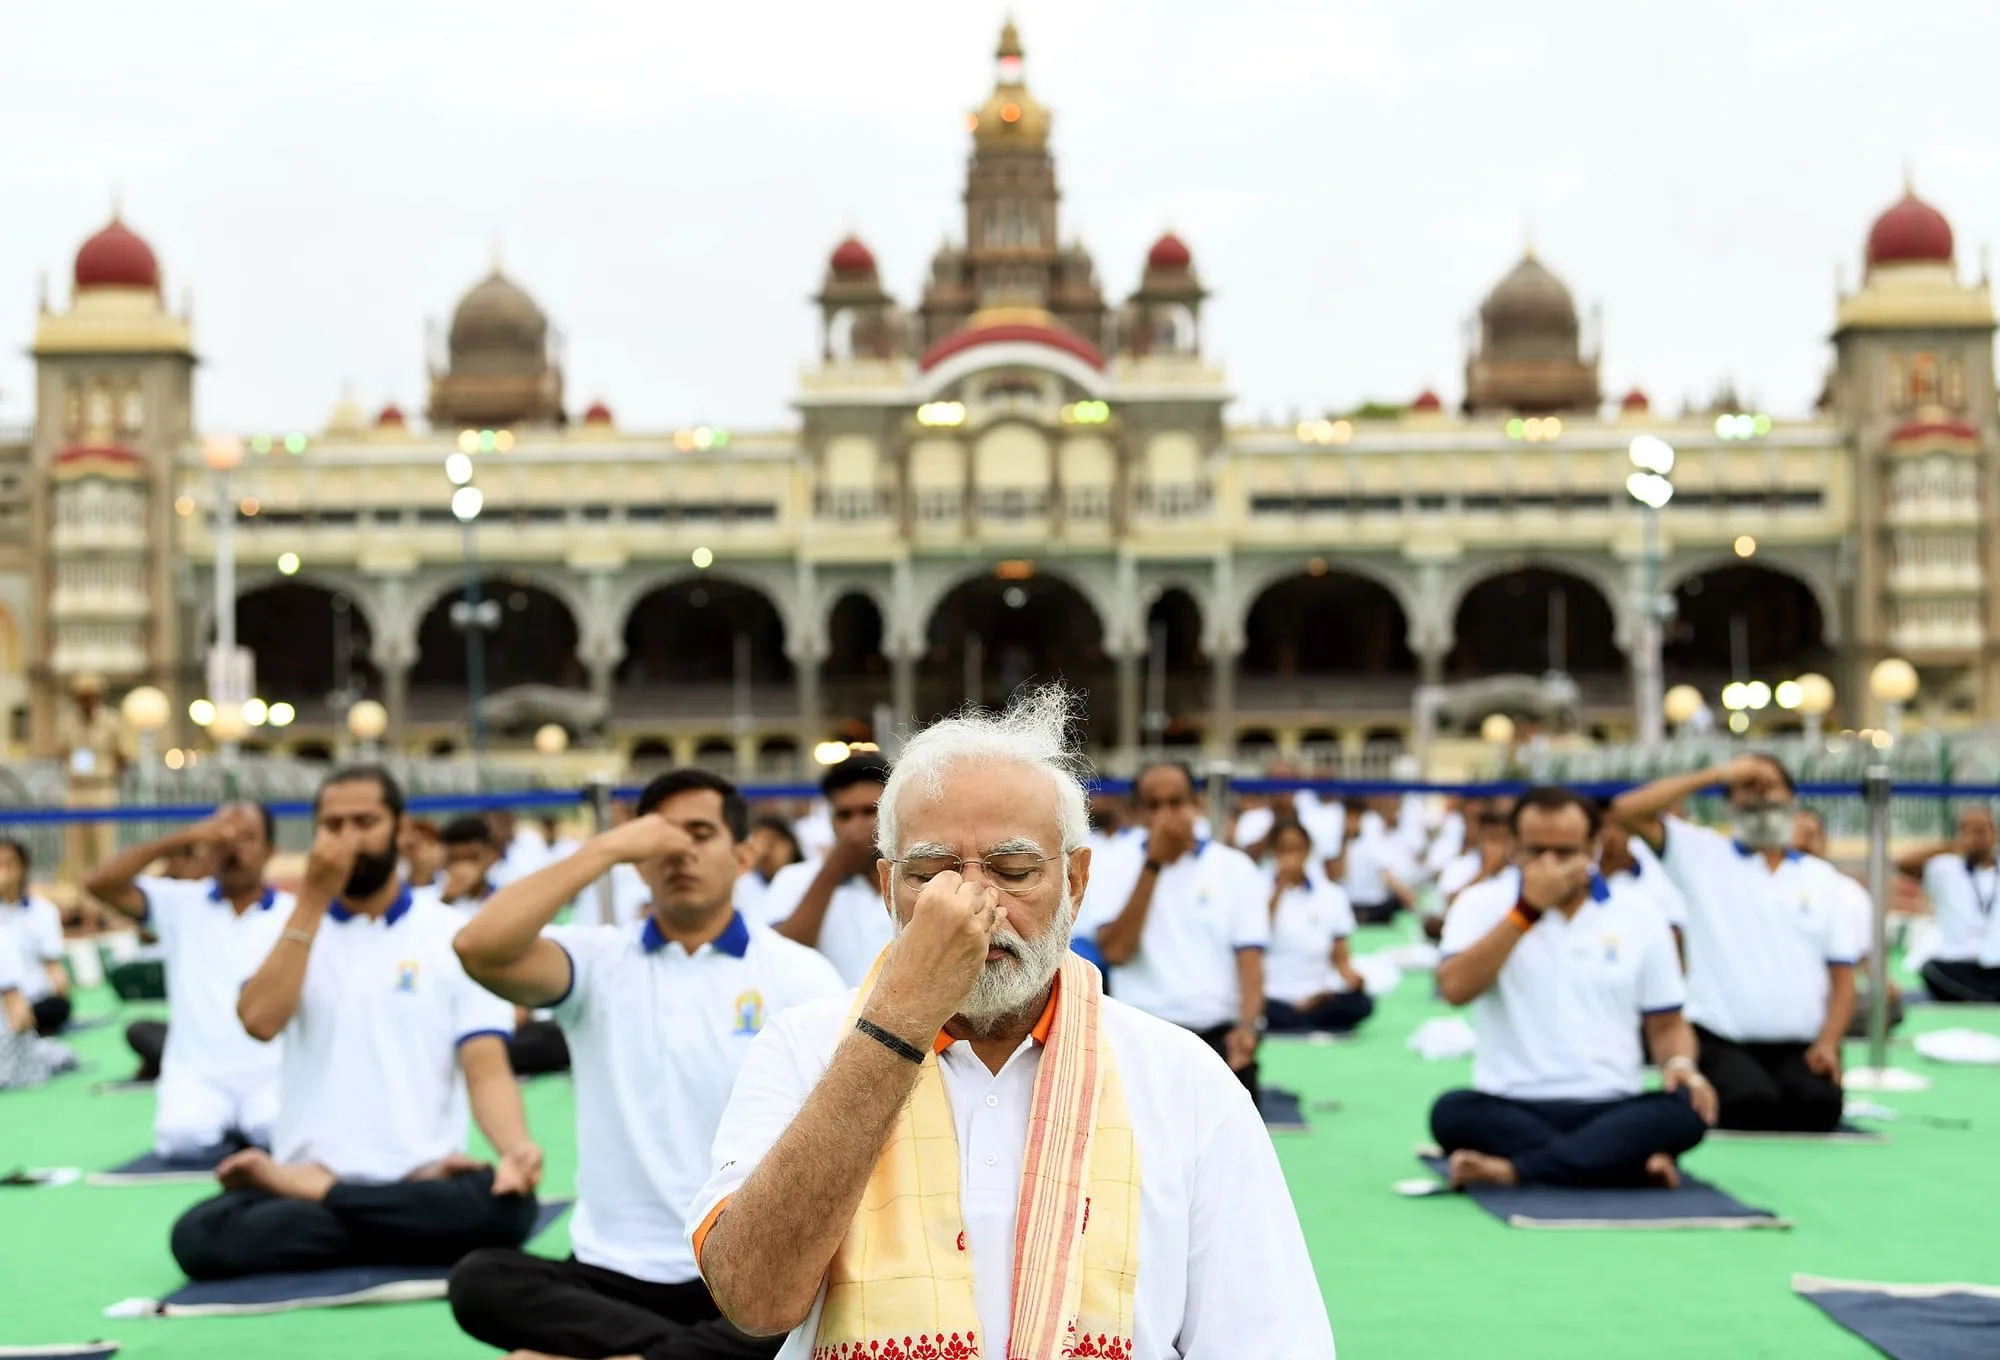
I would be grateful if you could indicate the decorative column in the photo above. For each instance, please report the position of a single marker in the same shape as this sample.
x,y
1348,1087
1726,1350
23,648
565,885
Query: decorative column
x,y
1131,700
807,646
1430,640
393,658
1224,644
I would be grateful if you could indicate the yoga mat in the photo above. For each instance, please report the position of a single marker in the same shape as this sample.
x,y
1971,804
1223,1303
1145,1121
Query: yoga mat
x,y
84,1024
153,1169
120,1088
1697,1204
1842,1133
1911,1321
288,1291
74,1350
1282,1110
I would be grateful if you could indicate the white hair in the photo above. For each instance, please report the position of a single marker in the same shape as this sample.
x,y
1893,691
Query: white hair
x,y
1033,733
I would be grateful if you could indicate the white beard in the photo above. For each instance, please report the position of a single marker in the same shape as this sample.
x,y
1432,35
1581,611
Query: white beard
x,y
1008,986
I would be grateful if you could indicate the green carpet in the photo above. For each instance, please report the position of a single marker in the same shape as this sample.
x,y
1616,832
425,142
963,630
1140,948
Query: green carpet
x,y
1403,1278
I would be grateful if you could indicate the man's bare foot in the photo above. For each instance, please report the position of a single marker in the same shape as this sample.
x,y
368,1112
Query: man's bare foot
x,y
544,1355
444,1168
254,1169
1476,1168
1661,1171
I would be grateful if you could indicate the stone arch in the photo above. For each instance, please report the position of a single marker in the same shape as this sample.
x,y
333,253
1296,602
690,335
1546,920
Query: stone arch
x,y
1034,629
429,588
1250,579
857,629
1785,623
1817,577
684,629
1501,623
1328,622
358,588
1607,578
931,590
295,628
535,642
776,582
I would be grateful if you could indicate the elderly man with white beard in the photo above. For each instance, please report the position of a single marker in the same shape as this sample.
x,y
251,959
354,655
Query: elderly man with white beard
x,y
978,1153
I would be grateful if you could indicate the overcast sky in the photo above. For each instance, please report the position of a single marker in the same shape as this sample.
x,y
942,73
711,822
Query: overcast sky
x,y
667,178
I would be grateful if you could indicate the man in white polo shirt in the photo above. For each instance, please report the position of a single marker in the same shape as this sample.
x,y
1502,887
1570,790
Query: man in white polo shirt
x,y
1962,882
1770,954
831,903
978,1152
1184,922
36,927
659,1015
217,1087
1382,865
387,1045
1561,968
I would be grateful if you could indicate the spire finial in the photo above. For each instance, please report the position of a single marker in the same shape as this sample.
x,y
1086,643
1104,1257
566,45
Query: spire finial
x,y
496,254
1527,237
117,203
1909,178
1010,40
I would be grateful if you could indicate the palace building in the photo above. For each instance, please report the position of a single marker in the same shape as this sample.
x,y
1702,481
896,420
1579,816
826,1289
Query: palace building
x,y
1012,475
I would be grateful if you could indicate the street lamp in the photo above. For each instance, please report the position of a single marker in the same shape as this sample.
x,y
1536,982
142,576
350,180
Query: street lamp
x,y
228,726
552,739
1894,682
1736,698
1682,705
148,710
1497,730
366,722
1651,486
474,616
1812,697
223,454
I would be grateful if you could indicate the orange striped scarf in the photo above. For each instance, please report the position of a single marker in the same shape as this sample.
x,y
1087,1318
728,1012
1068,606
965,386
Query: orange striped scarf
x,y
900,1284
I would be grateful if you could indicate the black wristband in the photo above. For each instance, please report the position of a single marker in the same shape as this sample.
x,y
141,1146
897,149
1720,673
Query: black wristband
x,y
1155,866
902,1048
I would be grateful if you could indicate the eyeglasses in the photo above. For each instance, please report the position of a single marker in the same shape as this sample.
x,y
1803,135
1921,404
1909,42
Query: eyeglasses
x,y
1015,873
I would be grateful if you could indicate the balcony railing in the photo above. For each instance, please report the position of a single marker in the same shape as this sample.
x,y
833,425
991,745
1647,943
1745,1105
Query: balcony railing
x,y
850,506
1176,500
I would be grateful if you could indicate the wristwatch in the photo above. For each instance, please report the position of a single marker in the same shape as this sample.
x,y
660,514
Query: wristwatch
x,y
1261,1024
1679,1060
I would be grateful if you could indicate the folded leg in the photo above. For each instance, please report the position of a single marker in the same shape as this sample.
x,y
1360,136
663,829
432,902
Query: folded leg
x,y
1340,1012
247,1232
1950,980
1612,1141
192,1114
148,1039
519,1302
1808,1102
431,1222
51,1016
1495,1125
1748,1094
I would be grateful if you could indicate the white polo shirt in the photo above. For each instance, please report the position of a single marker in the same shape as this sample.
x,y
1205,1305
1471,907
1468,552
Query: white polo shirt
x,y
1207,905
656,1037
1759,941
1963,898
1561,1020
1298,961
370,1084
1378,851
36,926
1856,908
1223,1269
209,952
856,928
1651,878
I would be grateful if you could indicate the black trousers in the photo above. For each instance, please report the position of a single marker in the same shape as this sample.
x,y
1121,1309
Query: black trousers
x,y
1962,982
1336,1013
148,1039
1376,913
403,1223
537,1049
1218,1039
51,1014
515,1301
1767,1086
1569,1142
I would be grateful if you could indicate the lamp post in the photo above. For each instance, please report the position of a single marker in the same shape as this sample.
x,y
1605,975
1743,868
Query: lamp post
x,y
223,454
148,710
1650,485
1681,705
1811,696
471,614
551,739
367,720
1894,682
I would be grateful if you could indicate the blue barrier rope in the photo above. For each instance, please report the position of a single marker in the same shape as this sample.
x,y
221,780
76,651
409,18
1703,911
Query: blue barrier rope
x,y
539,799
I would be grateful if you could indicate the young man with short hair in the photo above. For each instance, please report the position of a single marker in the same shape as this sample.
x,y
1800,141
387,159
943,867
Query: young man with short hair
x,y
1962,880
831,904
1561,969
1770,952
218,1087
659,1016
387,1045
37,929
1183,923
471,857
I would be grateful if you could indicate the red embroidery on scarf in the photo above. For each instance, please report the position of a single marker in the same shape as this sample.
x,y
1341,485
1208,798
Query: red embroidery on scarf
x,y
928,1347
961,1241
1098,1347
1086,1217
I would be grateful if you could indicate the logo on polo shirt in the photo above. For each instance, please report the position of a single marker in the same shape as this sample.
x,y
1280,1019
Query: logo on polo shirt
x,y
1611,949
406,975
749,1011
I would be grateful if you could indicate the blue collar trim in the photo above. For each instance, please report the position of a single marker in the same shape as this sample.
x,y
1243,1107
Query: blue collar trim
x,y
1747,851
1200,844
1600,891
398,909
265,901
733,941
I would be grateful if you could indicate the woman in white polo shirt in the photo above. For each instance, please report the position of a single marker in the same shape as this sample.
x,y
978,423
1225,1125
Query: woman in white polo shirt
x,y
1558,967
1770,953
1962,881
38,933
1310,983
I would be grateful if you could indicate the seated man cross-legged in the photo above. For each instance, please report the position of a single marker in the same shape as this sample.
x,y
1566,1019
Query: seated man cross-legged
x,y
659,1014
386,1042
1963,881
1558,972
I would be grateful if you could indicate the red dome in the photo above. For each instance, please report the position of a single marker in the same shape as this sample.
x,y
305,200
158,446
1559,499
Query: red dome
x,y
1169,252
97,453
1635,400
391,414
1910,232
970,337
852,257
1427,400
597,414
116,258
